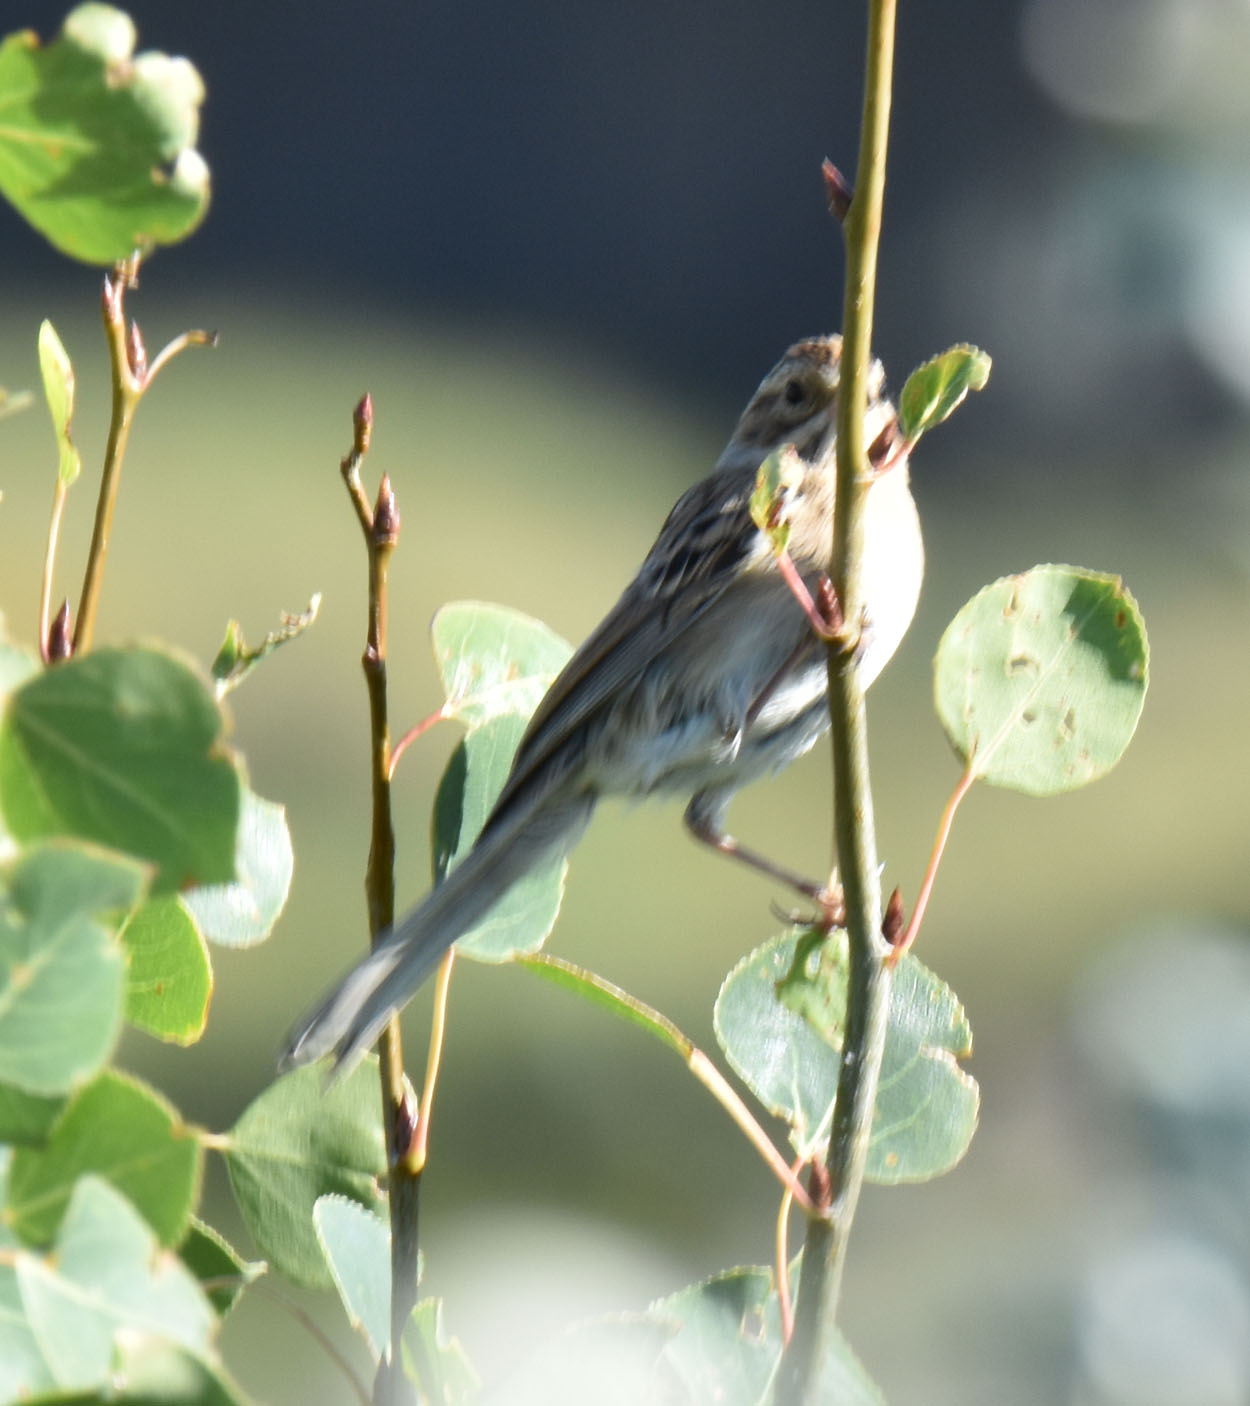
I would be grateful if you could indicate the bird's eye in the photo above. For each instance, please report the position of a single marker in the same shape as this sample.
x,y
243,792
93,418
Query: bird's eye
x,y
795,392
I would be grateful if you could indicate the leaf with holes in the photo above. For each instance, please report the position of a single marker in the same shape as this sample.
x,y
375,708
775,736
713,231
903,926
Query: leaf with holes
x,y
1040,679
779,1019
493,660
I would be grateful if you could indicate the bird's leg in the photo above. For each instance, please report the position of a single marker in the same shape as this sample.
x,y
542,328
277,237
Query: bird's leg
x,y
703,820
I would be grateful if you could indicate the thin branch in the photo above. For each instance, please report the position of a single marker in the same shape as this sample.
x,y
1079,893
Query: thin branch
x,y
781,1267
380,526
409,737
962,787
131,376
438,1035
127,390
868,980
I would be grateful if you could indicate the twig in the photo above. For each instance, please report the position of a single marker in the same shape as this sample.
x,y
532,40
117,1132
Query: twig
x,y
438,1034
962,787
131,376
380,525
868,980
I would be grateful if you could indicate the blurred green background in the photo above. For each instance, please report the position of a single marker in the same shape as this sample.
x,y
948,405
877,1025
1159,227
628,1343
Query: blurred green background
x,y
561,248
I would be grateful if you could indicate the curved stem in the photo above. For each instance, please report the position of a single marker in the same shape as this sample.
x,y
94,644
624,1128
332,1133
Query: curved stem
x,y
868,981
438,1034
962,787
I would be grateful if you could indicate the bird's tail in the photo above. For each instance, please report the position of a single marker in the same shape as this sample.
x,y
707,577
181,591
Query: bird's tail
x,y
352,1017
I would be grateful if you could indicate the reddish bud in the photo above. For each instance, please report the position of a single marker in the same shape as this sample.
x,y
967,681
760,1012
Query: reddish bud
x,y
894,920
362,423
386,520
136,352
60,641
406,1120
838,193
828,606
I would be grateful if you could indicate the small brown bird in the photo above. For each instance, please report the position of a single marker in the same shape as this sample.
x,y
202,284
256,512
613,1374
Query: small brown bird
x,y
705,675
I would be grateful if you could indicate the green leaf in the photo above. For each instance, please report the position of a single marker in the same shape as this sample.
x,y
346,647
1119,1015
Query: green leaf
x,y
236,659
106,1283
493,660
221,1271
97,147
522,920
299,1141
168,978
243,913
775,484
727,1340
357,1246
26,1119
933,391
123,747
150,1372
123,1131
779,1019
58,390
426,1341
61,971
1040,679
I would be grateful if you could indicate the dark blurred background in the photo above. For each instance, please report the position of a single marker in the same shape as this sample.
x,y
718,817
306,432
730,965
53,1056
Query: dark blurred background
x,y
561,244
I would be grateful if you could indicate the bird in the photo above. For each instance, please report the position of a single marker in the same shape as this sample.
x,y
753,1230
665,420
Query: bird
x,y
704,676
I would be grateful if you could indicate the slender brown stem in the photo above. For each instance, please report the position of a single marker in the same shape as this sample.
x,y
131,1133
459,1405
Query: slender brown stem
x,y
127,390
380,525
868,982
131,376
962,787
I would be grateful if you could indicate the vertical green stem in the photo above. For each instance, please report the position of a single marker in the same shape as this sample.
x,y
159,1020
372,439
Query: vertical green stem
x,y
868,991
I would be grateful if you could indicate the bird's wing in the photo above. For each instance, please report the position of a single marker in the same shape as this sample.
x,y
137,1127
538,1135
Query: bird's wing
x,y
697,555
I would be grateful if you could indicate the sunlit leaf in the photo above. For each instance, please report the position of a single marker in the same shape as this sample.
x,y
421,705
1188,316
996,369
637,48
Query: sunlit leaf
x,y
119,1129
123,747
780,1019
61,969
58,391
933,391
493,660
97,144
243,913
168,977
1040,679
